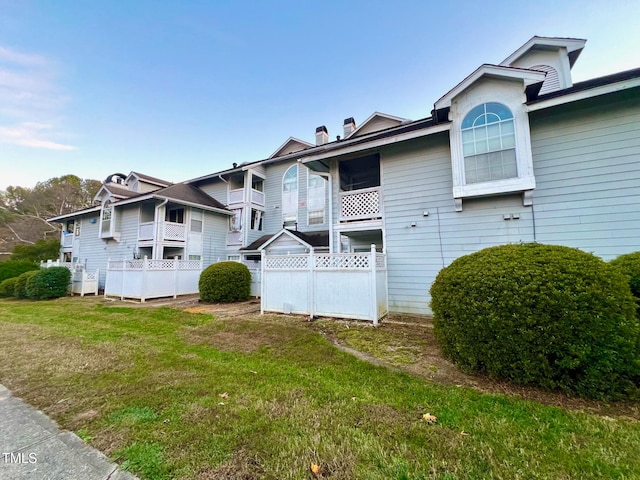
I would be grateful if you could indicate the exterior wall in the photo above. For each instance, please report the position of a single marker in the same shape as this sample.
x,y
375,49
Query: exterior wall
x,y
379,123
216,189
214,238
587,167
416,178
94,251
273,198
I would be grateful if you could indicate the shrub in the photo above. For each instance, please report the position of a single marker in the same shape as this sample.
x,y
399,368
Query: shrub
x,y
13,268
50,282
225,282
542,315
7,287
20,287
629,264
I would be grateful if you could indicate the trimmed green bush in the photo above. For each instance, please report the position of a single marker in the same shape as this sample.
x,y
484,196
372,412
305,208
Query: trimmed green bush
x,y
13,268
20,287
52,282
225,282
7,287
629,264
541,315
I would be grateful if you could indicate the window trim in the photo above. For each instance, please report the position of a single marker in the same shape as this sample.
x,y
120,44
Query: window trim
x,y
293,218
525,179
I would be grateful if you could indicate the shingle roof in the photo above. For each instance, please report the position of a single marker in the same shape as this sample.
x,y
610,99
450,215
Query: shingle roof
x,y
188,193
315,239
588,84
151,179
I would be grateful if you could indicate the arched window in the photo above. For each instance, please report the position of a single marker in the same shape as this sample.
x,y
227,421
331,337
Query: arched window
x,y
488,144
290,196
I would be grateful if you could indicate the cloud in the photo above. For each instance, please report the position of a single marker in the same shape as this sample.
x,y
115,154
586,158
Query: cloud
x,y
30,135
29,96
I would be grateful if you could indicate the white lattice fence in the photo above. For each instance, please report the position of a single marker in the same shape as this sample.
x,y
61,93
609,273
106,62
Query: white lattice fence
x,y
174,231
143,278
360,204
346,285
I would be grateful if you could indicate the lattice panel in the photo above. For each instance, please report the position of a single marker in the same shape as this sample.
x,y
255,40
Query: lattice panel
x,y
174,231
361,204
288,262
189,265
354,261
161,264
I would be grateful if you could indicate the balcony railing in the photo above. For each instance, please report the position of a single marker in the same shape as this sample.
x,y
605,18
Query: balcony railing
x,y
257,197
169,231
236,196
362,204
67,240
234,238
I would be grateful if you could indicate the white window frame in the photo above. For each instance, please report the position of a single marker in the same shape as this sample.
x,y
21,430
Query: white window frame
x,y
107,208
525,179
290,217
323,215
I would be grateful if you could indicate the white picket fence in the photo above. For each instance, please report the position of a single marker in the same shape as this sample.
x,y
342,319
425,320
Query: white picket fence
x,y
143,279
344,285
82,281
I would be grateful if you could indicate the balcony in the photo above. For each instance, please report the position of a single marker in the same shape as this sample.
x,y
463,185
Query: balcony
x,y
257,197
67,240
362,204
236,195
169,231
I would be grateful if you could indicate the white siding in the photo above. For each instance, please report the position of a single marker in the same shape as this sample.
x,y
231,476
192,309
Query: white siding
x,y
214,238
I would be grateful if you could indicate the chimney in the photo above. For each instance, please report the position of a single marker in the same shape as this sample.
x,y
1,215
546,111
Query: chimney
x,y
349,126
322,136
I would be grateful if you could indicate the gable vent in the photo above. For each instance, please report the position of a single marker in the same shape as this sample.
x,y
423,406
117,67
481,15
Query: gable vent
x,y
551,81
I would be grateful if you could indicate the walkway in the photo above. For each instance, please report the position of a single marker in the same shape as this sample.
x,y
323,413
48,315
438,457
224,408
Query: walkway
x,y
32,446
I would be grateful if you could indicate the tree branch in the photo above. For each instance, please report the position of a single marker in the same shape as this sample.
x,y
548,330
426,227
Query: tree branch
x,y
18,236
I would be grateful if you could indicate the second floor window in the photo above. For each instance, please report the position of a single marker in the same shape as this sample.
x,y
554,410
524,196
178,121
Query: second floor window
x,y
290,196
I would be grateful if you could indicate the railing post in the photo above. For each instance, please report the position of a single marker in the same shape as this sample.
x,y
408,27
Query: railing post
x,y
312,284
175,276
145,267
263,265
372,284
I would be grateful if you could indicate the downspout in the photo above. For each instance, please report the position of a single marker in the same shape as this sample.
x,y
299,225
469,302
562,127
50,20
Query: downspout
x,y
158,227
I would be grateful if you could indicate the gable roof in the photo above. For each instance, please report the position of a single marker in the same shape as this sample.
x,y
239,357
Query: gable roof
x,y
309,240
574,47
373,119
528,76
291,145
150,179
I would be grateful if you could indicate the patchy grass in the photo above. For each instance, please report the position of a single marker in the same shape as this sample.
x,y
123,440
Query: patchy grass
x,y
170,394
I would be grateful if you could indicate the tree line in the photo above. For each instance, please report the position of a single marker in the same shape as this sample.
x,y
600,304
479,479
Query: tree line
x,y
24,211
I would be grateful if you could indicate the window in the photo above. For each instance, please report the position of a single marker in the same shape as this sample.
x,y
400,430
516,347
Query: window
x,y
488,144
106,221
316,199
235,221
290,196
256,219
196,226
176,215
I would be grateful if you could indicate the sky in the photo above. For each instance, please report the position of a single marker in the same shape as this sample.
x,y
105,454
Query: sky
x,y
179,89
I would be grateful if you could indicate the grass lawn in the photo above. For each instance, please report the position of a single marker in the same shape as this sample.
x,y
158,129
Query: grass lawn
x,y
171,394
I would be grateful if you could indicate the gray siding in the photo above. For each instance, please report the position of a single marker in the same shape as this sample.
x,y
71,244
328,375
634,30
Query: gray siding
x,y
216,189
95,251
214,238
587,166
417,178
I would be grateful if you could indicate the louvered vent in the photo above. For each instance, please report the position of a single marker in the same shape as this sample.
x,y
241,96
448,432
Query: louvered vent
x,y
551,81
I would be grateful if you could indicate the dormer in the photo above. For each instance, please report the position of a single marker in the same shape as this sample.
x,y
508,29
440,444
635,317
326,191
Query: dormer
x,y
376,122
291,145
553,56
140,183
489,134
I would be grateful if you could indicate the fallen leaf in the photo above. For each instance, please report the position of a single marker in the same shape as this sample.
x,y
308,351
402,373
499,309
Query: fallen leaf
x,y
315,469
220,403
464,434
427,417
254,372
223,395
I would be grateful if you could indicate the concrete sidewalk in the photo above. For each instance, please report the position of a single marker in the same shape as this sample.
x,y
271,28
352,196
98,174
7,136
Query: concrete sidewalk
x,y
32,446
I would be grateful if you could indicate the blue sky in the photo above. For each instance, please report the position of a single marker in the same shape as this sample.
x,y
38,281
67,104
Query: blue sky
x,y
180,89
